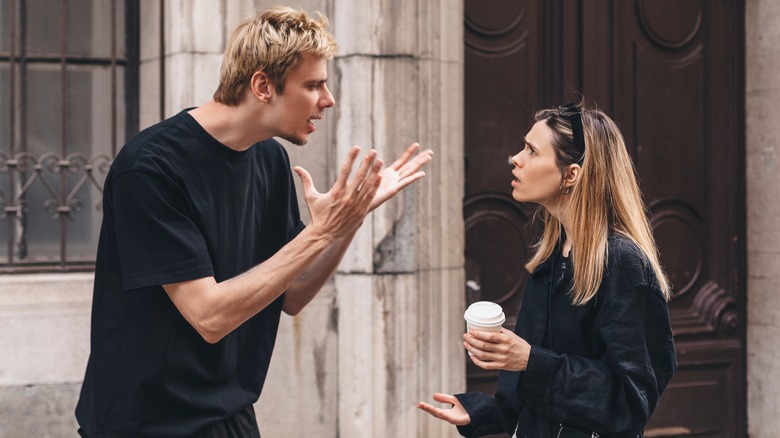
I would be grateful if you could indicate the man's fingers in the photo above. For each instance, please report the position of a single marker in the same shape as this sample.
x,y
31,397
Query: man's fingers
x,y
308,184
363,172
409,179
371,183
346,168
405,156
415,164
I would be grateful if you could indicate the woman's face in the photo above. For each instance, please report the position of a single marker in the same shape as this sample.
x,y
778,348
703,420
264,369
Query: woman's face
x,y
537,176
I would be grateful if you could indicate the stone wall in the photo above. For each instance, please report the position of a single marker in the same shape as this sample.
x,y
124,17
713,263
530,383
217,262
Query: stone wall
x,y
385,331
762,92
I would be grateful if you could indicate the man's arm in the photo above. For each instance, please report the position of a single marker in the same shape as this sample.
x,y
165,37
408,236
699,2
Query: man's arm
x,y
216,309
311,280
404,171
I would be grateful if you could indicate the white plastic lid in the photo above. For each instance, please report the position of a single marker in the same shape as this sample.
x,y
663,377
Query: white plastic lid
x,y
484,313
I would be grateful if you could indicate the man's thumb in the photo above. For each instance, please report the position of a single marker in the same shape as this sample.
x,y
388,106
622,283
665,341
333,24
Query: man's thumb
x,y
308,185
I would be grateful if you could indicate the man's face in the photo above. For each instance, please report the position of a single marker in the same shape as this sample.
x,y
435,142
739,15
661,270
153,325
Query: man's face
x,y
303,100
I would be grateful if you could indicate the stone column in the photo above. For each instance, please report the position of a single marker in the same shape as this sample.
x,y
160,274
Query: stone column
x,y
762,92
399,79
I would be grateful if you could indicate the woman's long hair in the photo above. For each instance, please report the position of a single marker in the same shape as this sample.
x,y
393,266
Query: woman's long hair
x,y
605,198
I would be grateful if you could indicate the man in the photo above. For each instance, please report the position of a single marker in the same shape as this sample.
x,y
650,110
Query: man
x,y
202,246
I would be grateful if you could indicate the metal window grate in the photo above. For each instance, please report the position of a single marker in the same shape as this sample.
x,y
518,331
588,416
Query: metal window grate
x,y
69,70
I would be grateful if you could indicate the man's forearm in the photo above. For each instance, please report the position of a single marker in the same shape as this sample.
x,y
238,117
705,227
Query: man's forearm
x,y
311,280
215,309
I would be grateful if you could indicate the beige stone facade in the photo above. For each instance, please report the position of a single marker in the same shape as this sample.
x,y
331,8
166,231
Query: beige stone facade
x,y
762,92
385,331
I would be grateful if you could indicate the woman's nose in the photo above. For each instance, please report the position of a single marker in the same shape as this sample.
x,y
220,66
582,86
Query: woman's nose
x,y
514,160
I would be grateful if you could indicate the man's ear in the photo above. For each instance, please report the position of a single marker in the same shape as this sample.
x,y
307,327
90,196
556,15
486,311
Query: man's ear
x,y
571,176
261,87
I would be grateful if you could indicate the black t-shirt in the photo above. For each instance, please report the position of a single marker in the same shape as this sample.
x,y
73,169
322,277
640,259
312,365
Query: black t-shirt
x,y
179,205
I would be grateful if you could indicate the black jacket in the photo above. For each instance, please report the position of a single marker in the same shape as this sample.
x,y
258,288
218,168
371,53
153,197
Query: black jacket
x,y
599,367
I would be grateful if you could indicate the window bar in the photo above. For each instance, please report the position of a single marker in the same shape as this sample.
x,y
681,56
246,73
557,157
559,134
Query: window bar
x,y
64,153
131,71
162,60
20,230
113,74
12,130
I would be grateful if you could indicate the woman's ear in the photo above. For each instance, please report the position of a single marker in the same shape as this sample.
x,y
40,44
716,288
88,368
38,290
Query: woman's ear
x,y
571,175
261,87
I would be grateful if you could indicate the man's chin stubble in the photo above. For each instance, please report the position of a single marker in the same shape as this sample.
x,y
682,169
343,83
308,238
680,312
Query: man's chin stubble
x,y
295,140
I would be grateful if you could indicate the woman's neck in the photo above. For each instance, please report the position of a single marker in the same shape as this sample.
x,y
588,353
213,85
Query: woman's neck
x,y
562,216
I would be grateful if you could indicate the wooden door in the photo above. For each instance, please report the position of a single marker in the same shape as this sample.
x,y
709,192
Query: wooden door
x,y
670,73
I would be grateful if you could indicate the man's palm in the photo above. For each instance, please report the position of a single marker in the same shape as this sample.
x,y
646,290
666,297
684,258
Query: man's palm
x,y
404,171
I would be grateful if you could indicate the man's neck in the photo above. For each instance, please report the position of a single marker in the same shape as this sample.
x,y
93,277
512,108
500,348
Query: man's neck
x,y
233,126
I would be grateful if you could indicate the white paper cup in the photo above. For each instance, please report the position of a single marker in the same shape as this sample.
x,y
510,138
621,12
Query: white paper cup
x,y
484,315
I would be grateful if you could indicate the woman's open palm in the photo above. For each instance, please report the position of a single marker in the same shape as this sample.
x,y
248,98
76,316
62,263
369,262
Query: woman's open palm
x,y
456,415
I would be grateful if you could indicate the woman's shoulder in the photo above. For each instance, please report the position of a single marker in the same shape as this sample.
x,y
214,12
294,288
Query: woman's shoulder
x,y
627,264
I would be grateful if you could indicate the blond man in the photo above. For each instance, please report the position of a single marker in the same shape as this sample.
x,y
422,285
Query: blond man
x,y
202,246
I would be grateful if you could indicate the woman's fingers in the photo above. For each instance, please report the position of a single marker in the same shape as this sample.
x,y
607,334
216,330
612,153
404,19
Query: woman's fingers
x,y
446,398
483,340
456,415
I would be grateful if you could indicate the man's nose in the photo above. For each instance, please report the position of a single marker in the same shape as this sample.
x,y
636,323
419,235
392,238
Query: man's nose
x,y
327,100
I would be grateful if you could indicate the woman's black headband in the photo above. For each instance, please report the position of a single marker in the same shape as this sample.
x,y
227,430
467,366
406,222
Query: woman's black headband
x,y
572,113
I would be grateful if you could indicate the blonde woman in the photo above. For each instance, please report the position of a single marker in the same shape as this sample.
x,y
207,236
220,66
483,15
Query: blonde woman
x,y
592,350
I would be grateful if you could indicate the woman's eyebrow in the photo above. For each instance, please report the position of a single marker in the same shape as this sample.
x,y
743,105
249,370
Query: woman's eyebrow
x,y
525,141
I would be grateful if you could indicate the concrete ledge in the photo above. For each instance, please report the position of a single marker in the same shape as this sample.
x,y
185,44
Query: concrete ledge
x,y
44,319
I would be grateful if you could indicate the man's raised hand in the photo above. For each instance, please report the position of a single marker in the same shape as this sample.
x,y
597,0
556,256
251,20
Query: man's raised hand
x,y
404,171
342,209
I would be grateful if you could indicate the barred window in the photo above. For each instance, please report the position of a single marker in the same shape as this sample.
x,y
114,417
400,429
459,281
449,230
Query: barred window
x,y
68,79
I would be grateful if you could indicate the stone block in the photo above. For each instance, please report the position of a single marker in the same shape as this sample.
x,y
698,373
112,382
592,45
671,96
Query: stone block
x,y
762,37
763,298
39,411
763,397
379,356
194,26
44,320
303,374
384,27
190,80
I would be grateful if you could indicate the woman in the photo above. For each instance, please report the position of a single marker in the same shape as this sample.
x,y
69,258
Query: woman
x,y
592,350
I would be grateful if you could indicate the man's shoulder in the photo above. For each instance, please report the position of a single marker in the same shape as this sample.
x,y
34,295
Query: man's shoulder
x,y
154,141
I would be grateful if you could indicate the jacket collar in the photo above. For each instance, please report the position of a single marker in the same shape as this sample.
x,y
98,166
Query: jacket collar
x,y
548,263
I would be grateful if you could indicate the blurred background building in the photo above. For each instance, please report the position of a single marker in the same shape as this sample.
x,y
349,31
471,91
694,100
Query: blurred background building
x,y
692,85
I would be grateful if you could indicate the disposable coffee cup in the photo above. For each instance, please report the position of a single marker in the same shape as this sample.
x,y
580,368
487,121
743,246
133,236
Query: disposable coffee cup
x,y
484,315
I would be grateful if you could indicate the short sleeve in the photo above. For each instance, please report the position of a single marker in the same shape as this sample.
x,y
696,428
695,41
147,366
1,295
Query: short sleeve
x,y
157,241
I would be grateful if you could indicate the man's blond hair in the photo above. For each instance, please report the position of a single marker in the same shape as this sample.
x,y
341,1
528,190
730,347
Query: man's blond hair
x,y
271,42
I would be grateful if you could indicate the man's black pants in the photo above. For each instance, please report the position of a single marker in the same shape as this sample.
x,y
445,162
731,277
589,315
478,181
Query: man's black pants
x,y
242,424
